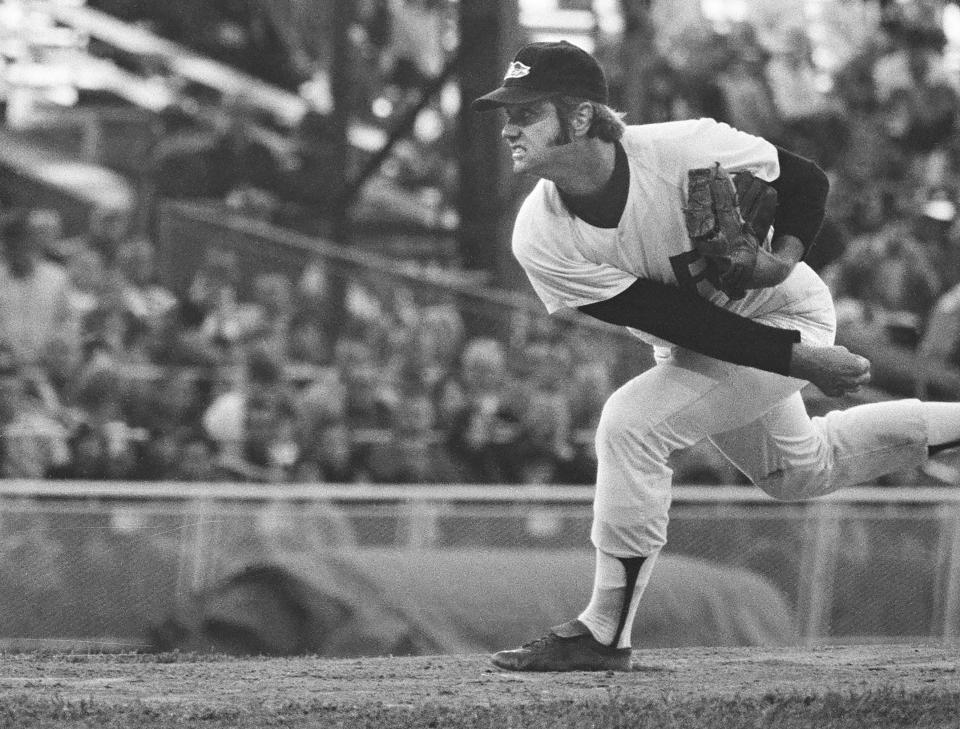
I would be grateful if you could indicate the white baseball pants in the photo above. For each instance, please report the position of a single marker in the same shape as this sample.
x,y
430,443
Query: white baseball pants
x,y
758,421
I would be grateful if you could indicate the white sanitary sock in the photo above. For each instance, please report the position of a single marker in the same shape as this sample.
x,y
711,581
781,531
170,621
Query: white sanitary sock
x,y
602,614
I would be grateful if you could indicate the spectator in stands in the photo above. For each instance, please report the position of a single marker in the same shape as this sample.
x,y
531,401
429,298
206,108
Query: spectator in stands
x,y
33,442
103,336
326,446
430,350
543,451
316,321
884,286
308,344
938,230
107,230
314,292
214,297
589,386
328,456
99,300
88,277
940,346
184,342
169,408
542,370
748,103
34,295
46,226
912,79
483,412
412,452
198,459
370,396
243,434
810,120
147,302
61,365
268,451
447,321
917,94
266,318
886,283
103,444
542,365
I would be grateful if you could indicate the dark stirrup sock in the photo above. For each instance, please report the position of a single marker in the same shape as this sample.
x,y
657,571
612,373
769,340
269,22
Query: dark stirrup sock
x,y
931,450
632,567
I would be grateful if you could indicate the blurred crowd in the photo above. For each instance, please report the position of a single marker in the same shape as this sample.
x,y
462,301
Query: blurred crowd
x,y
108,373
105,373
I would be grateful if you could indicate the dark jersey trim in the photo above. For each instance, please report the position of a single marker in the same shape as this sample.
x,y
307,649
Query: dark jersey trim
x,y
694,323
604,209
802,189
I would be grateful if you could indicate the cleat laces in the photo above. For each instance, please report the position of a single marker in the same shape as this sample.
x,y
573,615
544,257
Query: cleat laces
x,y
539,642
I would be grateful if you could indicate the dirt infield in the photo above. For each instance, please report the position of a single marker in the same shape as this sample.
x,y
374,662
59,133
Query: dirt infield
x,y
46,690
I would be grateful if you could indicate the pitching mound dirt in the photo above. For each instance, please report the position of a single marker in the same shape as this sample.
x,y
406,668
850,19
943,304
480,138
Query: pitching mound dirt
x,y
463,681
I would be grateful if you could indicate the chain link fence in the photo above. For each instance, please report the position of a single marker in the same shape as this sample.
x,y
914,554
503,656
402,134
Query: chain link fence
x,y
103,564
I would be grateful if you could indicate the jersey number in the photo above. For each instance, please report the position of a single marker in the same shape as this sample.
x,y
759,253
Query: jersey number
x,y
691,268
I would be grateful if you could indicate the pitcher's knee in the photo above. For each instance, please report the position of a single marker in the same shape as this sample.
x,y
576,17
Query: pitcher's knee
x,y
616,416
797,483
622,433
641,539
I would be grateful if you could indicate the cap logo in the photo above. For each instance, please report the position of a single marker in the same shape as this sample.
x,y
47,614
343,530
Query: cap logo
x,y
517,70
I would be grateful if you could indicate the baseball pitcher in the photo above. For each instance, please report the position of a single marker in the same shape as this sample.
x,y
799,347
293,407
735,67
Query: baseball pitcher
x,y
692,234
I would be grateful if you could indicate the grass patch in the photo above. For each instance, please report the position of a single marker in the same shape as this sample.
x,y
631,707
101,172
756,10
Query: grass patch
x,y
876,709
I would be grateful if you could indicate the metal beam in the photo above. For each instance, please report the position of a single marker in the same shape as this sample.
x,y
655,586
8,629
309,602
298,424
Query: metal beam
x,y
489,36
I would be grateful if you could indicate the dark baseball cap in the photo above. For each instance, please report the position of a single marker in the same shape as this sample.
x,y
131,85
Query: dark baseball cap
x,y
542,70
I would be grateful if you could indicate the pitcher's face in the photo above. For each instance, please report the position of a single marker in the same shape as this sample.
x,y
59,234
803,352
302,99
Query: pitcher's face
x,y
535,134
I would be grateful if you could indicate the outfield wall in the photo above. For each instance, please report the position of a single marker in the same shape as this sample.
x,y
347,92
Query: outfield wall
x,y
114,563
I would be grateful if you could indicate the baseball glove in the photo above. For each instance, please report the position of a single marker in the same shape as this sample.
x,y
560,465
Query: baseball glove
x,y
727,219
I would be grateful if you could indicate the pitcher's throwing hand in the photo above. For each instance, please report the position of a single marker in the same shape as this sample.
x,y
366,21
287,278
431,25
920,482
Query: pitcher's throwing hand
x,y
835,370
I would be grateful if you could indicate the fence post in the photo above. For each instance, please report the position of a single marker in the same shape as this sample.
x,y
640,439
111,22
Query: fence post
x,y
818,563
196,549
421,524
947,585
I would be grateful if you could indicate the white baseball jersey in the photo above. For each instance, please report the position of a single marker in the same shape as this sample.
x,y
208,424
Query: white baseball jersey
x,y
572,263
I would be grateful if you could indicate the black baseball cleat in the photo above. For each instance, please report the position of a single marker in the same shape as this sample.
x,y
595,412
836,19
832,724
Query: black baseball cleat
x,y
567,647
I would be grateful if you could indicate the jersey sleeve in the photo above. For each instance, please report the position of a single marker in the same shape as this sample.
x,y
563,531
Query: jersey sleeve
x,y
561,276
686,145
734,150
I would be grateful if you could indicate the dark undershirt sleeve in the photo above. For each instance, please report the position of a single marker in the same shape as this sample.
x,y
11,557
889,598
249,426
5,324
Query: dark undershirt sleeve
x,y
802,189
694,323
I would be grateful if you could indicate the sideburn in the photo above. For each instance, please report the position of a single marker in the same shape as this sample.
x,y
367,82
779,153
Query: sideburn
x,y
565,134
